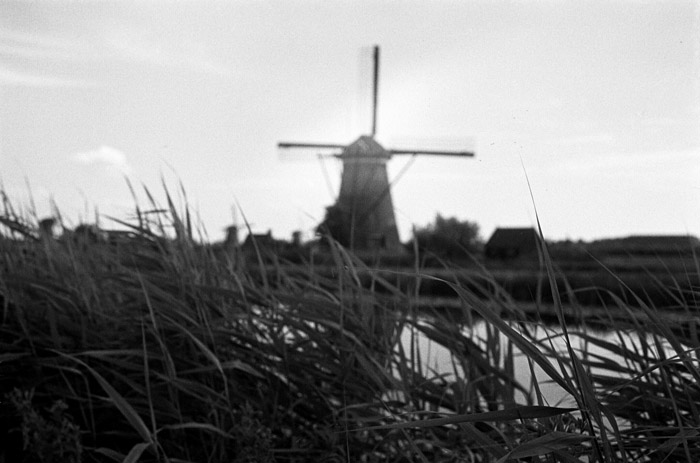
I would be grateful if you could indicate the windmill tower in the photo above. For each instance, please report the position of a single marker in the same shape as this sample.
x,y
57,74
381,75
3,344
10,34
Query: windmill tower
x,y
363,215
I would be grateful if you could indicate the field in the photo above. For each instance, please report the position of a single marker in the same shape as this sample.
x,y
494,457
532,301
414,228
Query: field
x,y
158,348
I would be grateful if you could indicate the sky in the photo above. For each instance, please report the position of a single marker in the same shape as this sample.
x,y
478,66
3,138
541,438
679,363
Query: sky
x,y
584,114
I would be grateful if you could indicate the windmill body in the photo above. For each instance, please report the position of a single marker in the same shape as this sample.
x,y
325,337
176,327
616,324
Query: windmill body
x,y
365,197
363,215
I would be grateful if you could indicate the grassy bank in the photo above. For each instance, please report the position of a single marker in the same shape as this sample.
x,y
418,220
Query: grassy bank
x,y
155,348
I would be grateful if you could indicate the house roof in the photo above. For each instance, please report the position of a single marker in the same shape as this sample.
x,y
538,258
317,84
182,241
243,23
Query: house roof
x,y
521,238
262,239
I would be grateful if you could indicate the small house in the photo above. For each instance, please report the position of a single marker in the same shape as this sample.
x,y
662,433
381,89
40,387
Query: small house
x,y
511,243
263,241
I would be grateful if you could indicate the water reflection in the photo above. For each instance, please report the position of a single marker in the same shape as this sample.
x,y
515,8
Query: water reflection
x,y
438,360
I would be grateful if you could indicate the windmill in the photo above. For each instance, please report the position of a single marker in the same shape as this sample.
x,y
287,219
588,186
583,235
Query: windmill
x,y
363,215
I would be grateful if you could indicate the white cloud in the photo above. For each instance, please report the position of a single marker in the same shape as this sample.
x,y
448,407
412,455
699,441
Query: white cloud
x,y
141,45
35,45
26,52
30,79
106,156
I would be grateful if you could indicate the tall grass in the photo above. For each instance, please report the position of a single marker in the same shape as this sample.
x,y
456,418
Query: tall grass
x,y
158,348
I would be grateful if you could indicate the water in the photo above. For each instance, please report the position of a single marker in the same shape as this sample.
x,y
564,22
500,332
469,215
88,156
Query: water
x,y
438,359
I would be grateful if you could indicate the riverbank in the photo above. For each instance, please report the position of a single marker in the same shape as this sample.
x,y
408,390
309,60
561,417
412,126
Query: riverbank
x,y
613,291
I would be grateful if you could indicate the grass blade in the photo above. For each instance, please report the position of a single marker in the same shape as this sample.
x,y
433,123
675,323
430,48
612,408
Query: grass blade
x,y
517,413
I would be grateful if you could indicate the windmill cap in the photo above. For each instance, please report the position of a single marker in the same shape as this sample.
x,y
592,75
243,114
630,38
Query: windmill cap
x,y
365,147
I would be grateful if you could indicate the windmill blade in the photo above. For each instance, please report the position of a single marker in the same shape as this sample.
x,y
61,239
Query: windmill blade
x,y
435,146
432,153
367,101
285,145
375,90
288,150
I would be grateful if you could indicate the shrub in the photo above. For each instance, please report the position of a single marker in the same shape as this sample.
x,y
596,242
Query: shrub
x,y
449,238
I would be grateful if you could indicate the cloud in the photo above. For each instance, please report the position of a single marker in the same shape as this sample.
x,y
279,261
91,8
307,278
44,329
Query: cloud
x,y
35,45
25,53
30,79
138,44
105,156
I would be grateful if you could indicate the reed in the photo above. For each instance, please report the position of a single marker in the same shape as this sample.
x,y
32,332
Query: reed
x,y
159,348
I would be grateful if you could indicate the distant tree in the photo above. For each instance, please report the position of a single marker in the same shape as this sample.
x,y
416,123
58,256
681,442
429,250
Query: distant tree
x,y
337,224
449,237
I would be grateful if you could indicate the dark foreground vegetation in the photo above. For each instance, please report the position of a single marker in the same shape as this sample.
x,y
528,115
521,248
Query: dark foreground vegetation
x,y
153,348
